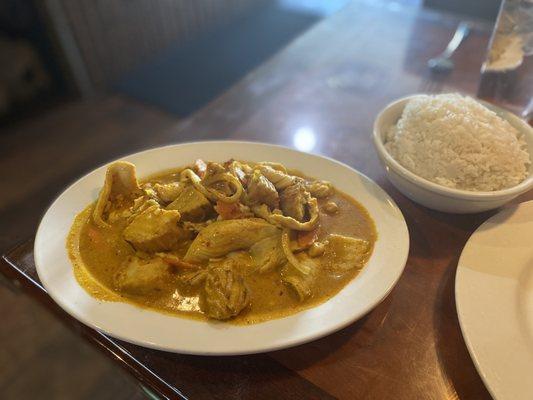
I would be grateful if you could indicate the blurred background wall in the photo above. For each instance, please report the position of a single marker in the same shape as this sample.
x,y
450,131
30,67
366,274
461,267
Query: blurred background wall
x,y
174,54
144,48
114,35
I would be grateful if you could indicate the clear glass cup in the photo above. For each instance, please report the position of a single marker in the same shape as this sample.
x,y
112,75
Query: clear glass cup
x,y
507,73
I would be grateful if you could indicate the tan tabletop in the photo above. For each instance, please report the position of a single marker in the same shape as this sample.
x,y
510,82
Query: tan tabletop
x,y
332,80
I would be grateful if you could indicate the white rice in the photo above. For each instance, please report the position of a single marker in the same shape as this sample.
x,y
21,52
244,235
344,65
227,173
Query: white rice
x,y
457,142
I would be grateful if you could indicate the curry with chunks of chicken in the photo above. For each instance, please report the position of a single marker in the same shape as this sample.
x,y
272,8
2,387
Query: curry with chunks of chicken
x,y
239,241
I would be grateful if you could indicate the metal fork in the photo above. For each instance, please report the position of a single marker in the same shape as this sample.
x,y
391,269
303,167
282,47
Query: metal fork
x,y
443,62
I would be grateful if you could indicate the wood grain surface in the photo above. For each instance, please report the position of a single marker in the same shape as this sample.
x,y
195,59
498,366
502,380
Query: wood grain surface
x,y
332,81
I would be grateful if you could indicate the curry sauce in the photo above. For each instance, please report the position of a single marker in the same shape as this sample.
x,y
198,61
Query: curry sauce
x,y
100,255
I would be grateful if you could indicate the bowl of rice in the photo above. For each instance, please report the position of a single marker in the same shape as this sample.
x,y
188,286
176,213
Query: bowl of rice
x,y
455,154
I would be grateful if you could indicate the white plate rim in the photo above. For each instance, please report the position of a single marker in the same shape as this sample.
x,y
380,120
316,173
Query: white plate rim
x,y
465,323
258,348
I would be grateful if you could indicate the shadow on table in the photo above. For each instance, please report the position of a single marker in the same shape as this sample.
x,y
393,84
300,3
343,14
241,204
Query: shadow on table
x,y
256,376
305,355
450,345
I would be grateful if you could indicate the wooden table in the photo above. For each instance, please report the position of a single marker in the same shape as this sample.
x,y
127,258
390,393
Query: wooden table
x,y
331,81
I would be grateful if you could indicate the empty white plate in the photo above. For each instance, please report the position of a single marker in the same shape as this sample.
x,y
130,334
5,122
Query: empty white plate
x,y
165,332
494,295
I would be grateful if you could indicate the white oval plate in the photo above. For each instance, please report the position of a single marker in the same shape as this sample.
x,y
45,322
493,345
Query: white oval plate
x,y
494,296
164,332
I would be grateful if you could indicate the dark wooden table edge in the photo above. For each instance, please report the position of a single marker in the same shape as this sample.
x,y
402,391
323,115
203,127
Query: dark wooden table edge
x,y
21,280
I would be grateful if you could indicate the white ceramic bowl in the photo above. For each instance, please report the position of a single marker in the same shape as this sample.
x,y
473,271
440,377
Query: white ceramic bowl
x,y
433,195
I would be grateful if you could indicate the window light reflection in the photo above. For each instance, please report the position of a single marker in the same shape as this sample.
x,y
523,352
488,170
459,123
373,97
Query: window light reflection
x,y
304,139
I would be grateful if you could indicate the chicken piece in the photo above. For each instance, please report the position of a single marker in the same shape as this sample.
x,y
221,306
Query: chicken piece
x,y
261,191
223,237
141,276
280,179
268,254
274,165
301,284
212,169
320,189
215,180
225,293
119,190
168,192
140,204
342,253
192,205
155,229
293,200
239,170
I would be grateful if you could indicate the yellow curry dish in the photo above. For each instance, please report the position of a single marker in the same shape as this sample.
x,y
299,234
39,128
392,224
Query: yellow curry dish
x,y
236,241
